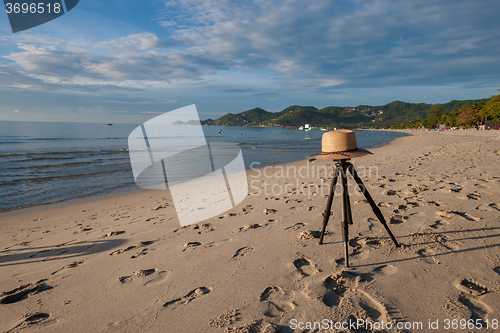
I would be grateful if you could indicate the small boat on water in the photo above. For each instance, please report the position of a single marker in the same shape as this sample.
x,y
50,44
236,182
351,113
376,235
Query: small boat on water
x,y
109,124
306,127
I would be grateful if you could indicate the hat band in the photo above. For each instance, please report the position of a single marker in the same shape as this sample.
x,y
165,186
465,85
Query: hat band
x,y
338,152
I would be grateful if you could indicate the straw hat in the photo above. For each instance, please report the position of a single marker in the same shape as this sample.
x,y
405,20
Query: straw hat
x,y
339,145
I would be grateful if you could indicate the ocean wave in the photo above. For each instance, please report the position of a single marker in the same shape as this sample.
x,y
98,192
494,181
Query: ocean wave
x,y
48,166
76,152
64,165
50,178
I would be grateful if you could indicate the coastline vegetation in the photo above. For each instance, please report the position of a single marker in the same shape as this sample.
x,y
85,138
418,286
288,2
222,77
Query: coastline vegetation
x,y
468,116
397,115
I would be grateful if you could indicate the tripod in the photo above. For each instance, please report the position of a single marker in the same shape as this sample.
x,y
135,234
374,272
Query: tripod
x,y
341,169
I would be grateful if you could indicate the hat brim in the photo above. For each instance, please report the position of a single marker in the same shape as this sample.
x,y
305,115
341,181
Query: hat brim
x,y
345,155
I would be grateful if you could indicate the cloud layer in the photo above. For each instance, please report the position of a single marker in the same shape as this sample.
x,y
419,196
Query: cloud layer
x,y
319,47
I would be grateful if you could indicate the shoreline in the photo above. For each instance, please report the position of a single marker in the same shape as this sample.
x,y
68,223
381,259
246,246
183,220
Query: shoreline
x,y
130,190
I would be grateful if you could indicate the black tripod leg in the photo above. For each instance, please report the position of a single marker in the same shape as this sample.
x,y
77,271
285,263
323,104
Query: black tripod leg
x,y
347,198
326,214
368,197
346,213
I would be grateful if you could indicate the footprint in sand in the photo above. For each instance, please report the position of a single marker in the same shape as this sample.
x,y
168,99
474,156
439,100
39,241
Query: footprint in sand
x,y
466,216
452,189
112,233
255,326
72,265
305,266
364,244
415,189
336,287
191,246
444,213
427,255
246,209
438,223
82,229
296,226
32,320
191,296
372,223
269,222
425,252
276,301
488,208
310,234
24,291
293,201
250,227
203,228
470,196
446,241
386,270
145,272
357,202
218,243
141,253
342,289
225,319
398,219
478,309
268,211
373,309
196,228
125,279
339,261
160,277
160,207
228,215
411,202
471,287
451,213
138,245
241,252
140,273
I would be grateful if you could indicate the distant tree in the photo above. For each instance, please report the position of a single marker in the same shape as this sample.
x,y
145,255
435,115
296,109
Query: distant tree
x,y
491,108
449,119
433,114
470,115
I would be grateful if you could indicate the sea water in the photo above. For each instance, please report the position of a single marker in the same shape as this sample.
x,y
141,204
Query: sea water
x,y
42,162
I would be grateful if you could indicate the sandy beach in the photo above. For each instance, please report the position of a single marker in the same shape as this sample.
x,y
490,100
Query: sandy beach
x,y
124,264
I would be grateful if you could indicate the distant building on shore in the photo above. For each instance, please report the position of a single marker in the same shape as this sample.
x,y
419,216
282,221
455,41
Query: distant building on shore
x,y
491,125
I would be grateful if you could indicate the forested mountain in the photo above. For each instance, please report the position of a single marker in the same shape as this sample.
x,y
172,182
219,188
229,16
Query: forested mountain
x,y
335,116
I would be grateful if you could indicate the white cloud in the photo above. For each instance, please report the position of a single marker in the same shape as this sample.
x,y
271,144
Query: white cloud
x,y
353,43
288,50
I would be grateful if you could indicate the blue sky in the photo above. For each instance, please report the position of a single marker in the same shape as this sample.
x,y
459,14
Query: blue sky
x,y
127,61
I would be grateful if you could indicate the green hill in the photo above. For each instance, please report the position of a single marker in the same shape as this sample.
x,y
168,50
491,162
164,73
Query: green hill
x,y
334,116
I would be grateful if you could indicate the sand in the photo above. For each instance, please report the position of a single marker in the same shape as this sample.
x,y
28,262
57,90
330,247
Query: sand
x,y
124,264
